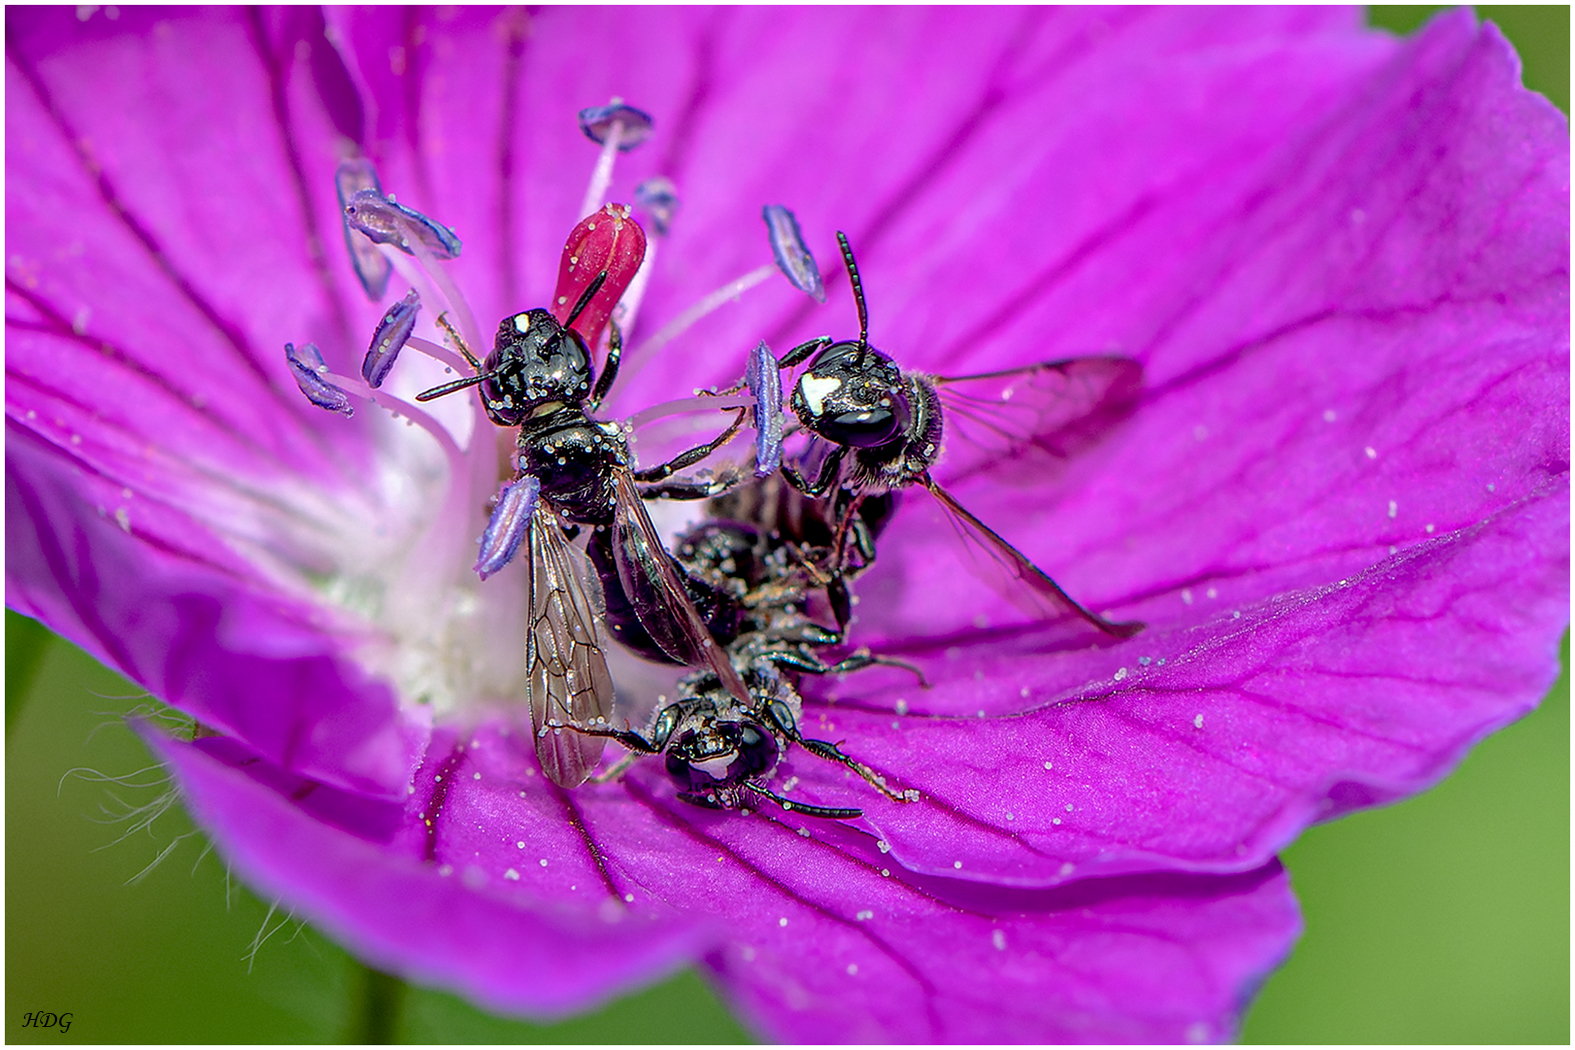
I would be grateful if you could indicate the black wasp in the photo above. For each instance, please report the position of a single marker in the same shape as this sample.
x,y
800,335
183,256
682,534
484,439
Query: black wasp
x,y
757,557
884,427
538,377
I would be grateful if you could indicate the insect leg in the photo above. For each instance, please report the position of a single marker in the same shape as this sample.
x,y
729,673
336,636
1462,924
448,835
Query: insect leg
x,y
828,474
840,541
694,455
604,381
782,716
617,769
627,737
683,488
862,658
803,351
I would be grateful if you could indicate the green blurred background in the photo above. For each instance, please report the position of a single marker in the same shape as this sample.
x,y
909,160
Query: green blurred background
x,y
1442,919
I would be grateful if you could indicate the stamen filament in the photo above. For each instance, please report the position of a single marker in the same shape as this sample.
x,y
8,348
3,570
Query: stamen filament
x,y
698,403
601,175
442,558
357,388
438,352
641,355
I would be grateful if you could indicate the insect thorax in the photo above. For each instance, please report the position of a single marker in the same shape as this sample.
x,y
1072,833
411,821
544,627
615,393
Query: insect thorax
x,y
575,459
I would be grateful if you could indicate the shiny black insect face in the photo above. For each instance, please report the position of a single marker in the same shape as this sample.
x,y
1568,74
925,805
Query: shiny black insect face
x,y
713,760
854,395
534,360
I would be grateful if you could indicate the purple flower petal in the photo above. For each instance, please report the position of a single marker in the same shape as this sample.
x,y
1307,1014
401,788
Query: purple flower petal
x,y
464,928
1341,502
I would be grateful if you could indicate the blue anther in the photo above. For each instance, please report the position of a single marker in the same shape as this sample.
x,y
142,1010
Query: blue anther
x,y
659,199
371,268
792,255
506,528
597,124
765,384
307,365
388,222
393,331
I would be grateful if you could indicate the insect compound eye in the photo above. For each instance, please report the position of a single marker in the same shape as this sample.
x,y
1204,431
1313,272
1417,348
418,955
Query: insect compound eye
x,y
863,428
677,759
757,752
853,398
666,722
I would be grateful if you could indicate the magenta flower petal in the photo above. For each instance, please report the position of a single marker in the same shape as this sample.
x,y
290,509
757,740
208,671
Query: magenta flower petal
x,y
1341,502
329,857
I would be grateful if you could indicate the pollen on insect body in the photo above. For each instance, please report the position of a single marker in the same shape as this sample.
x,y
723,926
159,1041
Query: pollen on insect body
x,y
522,323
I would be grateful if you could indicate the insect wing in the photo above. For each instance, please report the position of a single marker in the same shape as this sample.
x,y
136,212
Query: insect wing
x,y
1021,572
1032,419
568,681
659,598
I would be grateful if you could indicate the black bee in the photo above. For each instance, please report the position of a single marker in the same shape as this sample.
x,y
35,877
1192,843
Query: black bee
x,y
758,556
577,471
762,549
884,426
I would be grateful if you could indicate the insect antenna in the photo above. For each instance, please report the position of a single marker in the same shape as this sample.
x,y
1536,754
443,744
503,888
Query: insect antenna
x,y
858,295
586,297
458,384
481,377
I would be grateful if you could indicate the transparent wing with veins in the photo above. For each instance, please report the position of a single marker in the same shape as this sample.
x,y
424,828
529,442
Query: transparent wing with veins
x,y
659,598
1022,576
1028,421
568,680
